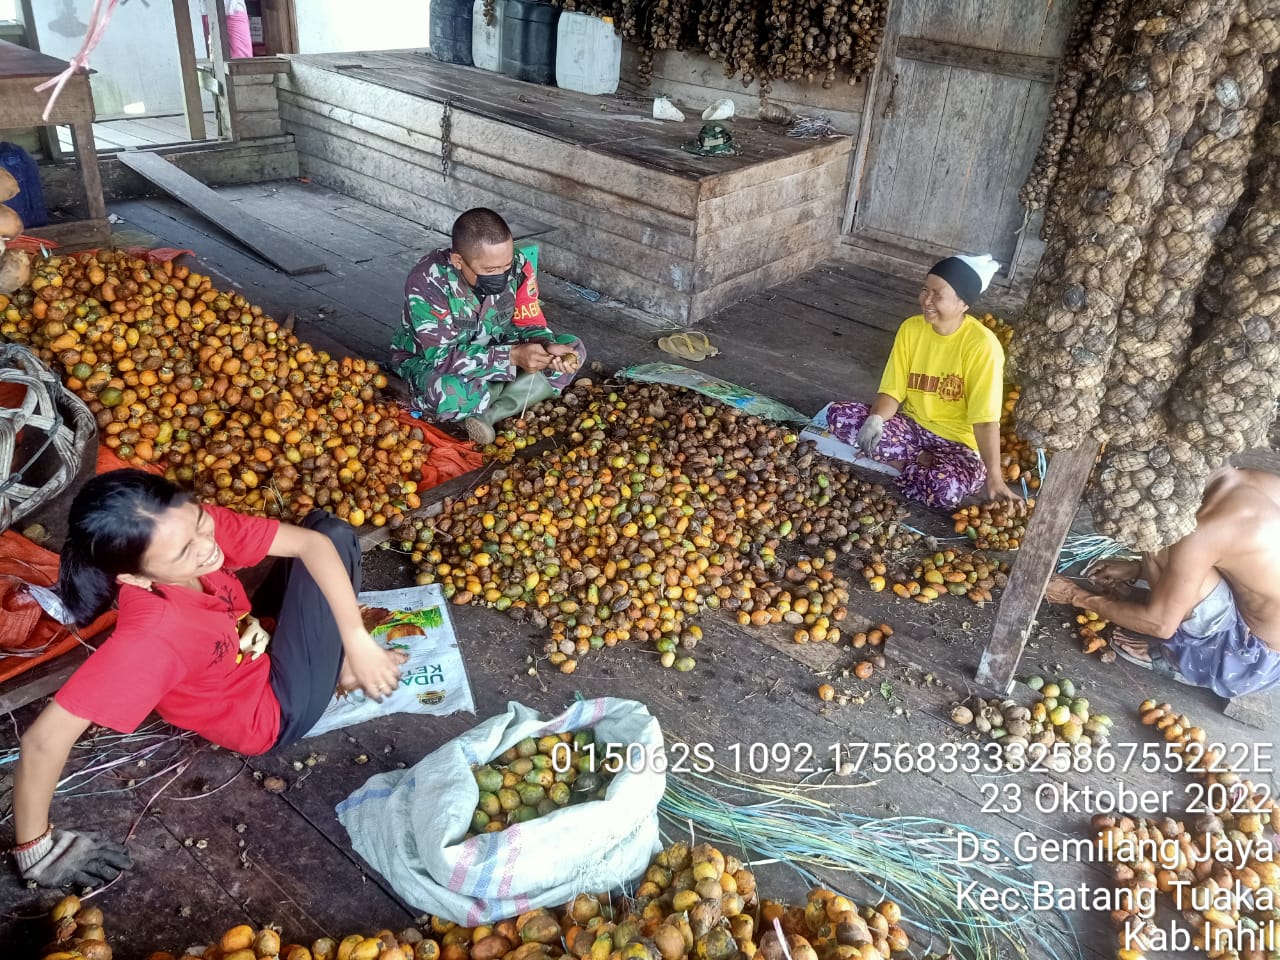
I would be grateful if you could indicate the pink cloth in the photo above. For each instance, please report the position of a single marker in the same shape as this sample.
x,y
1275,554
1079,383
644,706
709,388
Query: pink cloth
x,y
239,39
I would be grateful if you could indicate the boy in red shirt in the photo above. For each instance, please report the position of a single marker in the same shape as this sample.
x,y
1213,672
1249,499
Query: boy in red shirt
x,y
167,561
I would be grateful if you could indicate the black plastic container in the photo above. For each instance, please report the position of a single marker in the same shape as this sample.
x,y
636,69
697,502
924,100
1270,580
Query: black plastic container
x,y
450,31
529,40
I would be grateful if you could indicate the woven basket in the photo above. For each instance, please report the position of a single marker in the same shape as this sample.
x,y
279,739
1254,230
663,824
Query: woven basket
x,y
42,442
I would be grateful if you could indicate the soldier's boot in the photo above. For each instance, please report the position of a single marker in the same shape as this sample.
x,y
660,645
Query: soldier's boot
x,y
511,399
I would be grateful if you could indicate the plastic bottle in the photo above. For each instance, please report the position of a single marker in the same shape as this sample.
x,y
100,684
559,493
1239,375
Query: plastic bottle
x,y
588,54
529,40
486,39
450,31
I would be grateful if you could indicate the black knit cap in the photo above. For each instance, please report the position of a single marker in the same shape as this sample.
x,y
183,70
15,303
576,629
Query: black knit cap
x,y
964,280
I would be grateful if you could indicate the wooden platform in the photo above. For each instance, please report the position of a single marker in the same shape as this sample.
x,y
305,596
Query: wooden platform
x,y
211,855
127,133
632,214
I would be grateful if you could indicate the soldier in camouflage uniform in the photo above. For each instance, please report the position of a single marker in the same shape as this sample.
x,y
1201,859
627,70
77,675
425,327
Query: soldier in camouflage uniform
x,y
474,344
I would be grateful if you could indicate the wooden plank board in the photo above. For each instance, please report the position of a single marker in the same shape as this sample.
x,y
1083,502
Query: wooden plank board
x,y
285,251
469,188
952,54
957,212
346,124
74,233
580,202
1056,507
560,114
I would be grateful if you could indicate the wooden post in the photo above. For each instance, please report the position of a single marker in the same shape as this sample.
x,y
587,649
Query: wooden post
x,y
280,26
191,105
1056,504
884,61
219,54
49,143
90,175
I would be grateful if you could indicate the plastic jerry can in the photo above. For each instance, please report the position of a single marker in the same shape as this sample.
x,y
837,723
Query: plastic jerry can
x,y
588,54
486,39
529,40
29,203
450,31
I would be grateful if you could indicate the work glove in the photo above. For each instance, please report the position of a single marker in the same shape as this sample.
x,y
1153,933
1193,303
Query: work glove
x,y
74,859
253,638
869,435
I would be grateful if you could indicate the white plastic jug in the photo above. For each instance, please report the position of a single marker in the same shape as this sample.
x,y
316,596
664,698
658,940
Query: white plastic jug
x,y
486,41
588,54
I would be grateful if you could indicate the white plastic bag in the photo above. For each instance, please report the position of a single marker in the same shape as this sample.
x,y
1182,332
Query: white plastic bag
x,y
434,678
409,824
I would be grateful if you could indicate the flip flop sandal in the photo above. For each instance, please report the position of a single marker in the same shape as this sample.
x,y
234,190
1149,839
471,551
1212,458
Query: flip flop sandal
x,y
701,343
1157,664
686,346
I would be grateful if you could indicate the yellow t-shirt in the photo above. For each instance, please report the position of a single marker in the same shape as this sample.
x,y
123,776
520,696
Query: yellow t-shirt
x,y
946,384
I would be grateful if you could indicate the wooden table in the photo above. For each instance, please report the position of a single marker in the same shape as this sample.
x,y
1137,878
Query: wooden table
x,y
21,70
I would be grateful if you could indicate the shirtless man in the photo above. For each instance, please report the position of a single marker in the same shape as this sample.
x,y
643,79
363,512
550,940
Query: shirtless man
x,y
1213,595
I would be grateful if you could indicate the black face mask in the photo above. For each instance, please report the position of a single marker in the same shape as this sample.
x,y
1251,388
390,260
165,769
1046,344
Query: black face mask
x,y
491,284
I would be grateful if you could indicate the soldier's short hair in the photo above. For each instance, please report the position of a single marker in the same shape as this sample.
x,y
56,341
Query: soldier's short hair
x,y
479,227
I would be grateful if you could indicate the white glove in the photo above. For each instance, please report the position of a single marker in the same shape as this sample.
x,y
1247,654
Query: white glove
x,y
869,435
253,638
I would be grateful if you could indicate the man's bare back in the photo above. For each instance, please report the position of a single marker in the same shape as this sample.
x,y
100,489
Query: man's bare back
x,y
1240,514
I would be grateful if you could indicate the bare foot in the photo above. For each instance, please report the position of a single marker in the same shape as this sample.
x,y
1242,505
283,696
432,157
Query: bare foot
x,y
897,464
1135,647
925,459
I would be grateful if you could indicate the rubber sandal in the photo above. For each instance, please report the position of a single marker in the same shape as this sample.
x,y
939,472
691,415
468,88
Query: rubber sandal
x,y
700,342
686,346
1157,664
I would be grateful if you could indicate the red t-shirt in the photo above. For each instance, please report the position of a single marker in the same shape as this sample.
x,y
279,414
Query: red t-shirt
x,y
174,651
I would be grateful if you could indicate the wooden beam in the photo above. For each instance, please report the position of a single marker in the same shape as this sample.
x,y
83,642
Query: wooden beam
x,y
220,54
275,246
1056,504
75,233
1020,65
191,105
863,146
280,25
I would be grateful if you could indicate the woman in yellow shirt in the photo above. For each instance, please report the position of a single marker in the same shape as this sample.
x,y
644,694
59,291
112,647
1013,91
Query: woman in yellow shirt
x,y
937,416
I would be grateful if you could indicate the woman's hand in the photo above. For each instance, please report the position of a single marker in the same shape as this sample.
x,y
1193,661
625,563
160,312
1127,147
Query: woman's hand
x,y
996,490
374,668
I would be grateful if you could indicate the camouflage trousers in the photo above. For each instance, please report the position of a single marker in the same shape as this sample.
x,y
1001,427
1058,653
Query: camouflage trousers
x,y
447,397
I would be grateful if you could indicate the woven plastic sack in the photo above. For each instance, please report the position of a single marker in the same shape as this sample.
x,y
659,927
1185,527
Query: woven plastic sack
x,y
43,438
409,824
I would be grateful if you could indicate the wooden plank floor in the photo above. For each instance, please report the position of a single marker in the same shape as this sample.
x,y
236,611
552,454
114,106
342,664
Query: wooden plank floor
x,y
206,862
131,132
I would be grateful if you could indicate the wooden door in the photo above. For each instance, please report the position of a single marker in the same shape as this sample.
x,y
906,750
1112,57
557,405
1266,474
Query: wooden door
x,y
960,101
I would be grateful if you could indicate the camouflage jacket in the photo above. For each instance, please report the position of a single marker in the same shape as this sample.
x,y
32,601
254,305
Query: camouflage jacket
x,y
448,329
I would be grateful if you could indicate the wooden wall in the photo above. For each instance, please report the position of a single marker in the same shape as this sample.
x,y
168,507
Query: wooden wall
x,y
694,80
673,244
961,101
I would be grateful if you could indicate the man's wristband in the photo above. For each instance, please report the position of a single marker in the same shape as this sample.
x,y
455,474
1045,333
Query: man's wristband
x,y
33,851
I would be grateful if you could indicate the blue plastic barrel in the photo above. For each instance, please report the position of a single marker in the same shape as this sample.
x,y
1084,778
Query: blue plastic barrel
x,y
450,31
529,40
29,203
